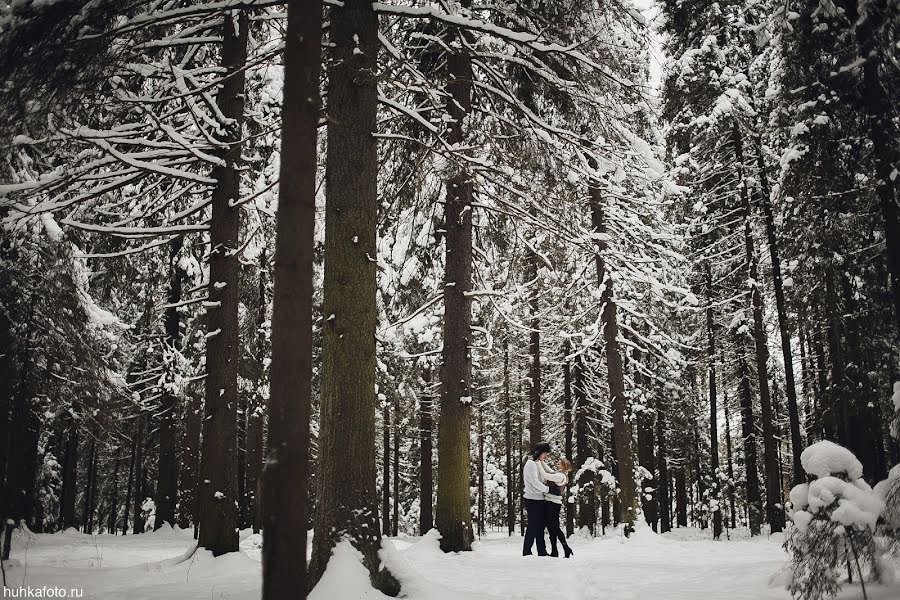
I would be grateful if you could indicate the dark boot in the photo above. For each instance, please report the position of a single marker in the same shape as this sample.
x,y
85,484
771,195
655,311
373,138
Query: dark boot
x,y
568,551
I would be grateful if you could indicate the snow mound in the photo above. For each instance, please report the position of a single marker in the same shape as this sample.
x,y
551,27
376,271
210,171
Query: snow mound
x,y
345,577
827,458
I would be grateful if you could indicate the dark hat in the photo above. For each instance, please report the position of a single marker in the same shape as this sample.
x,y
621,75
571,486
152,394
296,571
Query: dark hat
x,y
539,449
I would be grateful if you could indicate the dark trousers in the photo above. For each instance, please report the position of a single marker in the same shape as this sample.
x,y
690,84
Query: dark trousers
x,y
552,512
534,532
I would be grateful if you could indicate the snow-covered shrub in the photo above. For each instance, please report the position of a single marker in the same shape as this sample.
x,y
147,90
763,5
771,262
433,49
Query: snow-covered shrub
x,y
834,518
889,489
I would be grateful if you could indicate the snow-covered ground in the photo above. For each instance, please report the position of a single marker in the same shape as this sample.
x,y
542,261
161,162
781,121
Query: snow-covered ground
x,y
682,565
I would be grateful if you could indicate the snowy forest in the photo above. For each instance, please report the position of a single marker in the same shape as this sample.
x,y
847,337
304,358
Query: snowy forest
x,y
290,291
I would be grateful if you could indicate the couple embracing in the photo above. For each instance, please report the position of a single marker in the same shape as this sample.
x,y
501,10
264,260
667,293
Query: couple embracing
x,y
543,501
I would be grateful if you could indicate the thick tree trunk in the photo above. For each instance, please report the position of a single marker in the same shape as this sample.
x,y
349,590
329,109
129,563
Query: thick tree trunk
x,y
69,490
783,323
774,514
188,505
754,506
426,481
167,469
452,514
627,497
218,490
346,496
713,409
285,478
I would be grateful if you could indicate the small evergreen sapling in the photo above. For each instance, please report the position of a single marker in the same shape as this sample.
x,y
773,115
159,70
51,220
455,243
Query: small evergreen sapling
x,y
834,519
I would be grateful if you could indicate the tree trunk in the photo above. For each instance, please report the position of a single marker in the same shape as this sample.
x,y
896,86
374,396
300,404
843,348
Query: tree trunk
x,y
754,506
507,434
346,496
453,514
567,425
481,502
534,350
783,323
730,457
130,488
882,132
681,499
621,423
256,414
395,521
138,478
218,490
646,458
167,470
188,506
89,485
69,477
386,469
285,478
774,514
587,507
114,496
426,482
713,412
664,502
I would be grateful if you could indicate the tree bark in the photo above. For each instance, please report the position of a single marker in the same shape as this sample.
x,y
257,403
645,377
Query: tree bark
x,y
799,475
534,350
680,497
386,469
188,505
713,412
130,488
285,478
167,469
621,423
587,506
426,482
346,495
481,502
256,412
395,521
90,480
69,477
730,457
664,502
646,458
138,497
774,514
567,432
754,506
218,490
882,132
452,513
507,434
